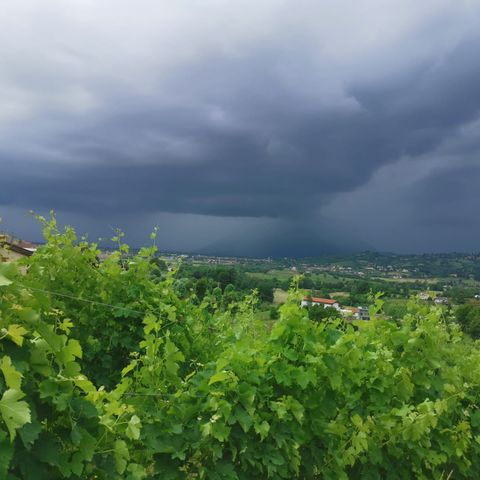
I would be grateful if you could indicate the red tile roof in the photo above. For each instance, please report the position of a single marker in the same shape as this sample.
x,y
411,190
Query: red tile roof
x,y
328,301
352,309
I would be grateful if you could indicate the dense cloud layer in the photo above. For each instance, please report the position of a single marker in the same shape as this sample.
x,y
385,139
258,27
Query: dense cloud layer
x,y
273,129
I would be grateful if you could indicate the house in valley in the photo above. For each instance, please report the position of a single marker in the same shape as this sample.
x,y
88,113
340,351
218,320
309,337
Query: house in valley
x,y
350,313
12,250
320,302
441,300
355,313
363,313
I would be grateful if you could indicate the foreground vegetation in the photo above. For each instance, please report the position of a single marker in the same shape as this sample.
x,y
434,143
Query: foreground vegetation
x,y
119,370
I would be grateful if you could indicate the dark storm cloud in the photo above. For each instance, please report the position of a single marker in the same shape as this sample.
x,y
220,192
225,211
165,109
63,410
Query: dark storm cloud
x,y
427,203
292,157
272,127
449,198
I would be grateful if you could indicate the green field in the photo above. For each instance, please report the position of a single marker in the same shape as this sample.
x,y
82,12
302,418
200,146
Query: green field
x,y
279,296
283,274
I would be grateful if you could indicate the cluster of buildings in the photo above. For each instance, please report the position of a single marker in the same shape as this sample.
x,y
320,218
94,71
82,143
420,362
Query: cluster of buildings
x,y
439,300
353,313
369,270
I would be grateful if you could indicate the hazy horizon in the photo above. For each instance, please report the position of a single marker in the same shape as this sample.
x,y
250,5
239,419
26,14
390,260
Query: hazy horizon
x,y
105,243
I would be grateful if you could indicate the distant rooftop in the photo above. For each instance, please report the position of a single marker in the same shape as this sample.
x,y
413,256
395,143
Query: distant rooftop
x,y
328,301
18,245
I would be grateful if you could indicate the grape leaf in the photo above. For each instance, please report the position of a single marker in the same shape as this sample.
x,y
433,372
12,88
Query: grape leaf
x,y
133,428
4,281
15,413
121,456
6,454
16,333
13,377
219,377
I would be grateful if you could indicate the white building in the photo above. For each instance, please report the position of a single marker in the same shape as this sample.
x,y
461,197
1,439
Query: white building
x,y
355,313
363,313
319,302
441,301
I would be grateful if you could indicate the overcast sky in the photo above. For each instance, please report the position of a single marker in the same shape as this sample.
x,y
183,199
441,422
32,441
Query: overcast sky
x,y
256,127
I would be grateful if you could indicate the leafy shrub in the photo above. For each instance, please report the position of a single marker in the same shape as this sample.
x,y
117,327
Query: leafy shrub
x,y
197,391
468,316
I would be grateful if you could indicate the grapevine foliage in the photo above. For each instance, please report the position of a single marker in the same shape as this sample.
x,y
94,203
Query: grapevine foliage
x,y
108,372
